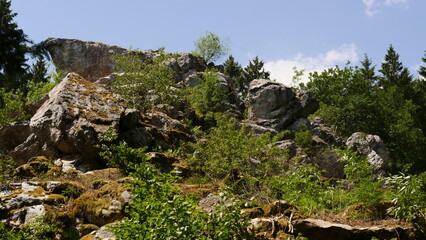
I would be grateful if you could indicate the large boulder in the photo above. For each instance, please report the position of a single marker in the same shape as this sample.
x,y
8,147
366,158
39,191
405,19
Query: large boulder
x,y
273,105
92,60
323,230
73,119
372,146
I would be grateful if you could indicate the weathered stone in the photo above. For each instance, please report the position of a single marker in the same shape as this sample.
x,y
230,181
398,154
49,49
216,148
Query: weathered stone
x,y
101,206
273,105
164,122
188,61
301,124
92,60
308,103
13,134
324,132
33,146
76,115
34,212
323,230
21,200
35,166
104,234
372,146
192,78
268,99
210,202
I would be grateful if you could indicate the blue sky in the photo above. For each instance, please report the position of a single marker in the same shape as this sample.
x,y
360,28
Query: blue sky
x,y
308,34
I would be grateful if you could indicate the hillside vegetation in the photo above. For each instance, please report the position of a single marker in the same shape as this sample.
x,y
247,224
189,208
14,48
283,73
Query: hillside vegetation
x,y
173,146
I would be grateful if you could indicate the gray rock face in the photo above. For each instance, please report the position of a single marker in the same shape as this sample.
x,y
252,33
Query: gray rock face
x,y
104,234
75,115
372,146
323,230
273,105
92,60
13,134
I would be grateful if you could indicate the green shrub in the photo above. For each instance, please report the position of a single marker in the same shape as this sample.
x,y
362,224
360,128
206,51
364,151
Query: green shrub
x,y
145,83
208,96
35,230
301,186
12,107
367,189
7,167
409,196
159,212
227,148
120,155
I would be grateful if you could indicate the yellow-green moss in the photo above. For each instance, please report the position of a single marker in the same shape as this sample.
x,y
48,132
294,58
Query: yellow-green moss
x,y
94,205
88,237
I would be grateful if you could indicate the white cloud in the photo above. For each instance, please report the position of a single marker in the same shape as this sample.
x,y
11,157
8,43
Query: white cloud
x,y
372,6
392,2
282,69
369,7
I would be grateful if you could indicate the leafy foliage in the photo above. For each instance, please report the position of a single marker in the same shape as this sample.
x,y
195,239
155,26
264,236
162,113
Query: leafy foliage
x,y
227,148
159,212
353,99
210,47
409,196
422,70
358,170
38,229
145,84
209,95
14,104
120,155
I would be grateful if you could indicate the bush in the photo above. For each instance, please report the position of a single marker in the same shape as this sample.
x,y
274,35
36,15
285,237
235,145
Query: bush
x,y
208,96
120,155
35,230
12,107
14,104
159,212
409,194
367,189
227,148
301,186
145,84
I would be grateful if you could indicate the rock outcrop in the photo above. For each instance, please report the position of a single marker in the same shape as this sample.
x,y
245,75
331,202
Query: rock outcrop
x,y
91,60
272,105
72,120
372,146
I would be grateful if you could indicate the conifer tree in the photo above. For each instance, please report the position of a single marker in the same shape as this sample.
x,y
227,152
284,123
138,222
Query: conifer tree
x,y
232,68
422,70
39,71
367,70
394,73
254,70
12,50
